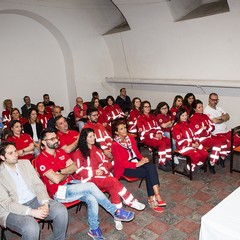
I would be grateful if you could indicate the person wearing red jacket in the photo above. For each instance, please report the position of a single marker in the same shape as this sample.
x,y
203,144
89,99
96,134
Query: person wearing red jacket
x,y
152,135
177,103
130,162
92,166
186,142
111,112
203,127
134,114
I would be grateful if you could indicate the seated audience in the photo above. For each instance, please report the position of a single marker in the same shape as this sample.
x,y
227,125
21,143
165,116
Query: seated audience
x,y
23,141
186,142
124,101
34,128
47,103
80,110
220,117
27,106
151,135
177,103
15,115
102,101
68,139
111,112
164,118
56,111
92,166
24,198
134,114
56,168
6,113
188,101
101,134
96,104
43,115
130,162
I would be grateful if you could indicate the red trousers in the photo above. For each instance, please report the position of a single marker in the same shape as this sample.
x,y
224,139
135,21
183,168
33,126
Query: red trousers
x,y
163,145
115,189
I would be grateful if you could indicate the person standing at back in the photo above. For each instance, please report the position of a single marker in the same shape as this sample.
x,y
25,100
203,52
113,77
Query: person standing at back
x,y
124,101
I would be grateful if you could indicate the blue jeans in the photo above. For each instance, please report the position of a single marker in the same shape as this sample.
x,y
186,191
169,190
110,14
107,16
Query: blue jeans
x,y
28,227
89,193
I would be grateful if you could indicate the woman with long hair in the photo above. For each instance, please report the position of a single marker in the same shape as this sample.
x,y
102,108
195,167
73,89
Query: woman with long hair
x,y
164,118
152,135
128,161
15,115
186,141
34,128
23,141
133,115
43,115
92,166
6,113
177,103
111,112
203,127
188,101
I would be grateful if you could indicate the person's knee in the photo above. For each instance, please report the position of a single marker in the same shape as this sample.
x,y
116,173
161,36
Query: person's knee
x,y
31,229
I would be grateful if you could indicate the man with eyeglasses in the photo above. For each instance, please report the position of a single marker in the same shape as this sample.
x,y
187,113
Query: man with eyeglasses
x,y
24,197
220,117
56,168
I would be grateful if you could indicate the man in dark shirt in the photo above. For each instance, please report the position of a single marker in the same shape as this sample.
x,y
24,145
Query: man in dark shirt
x,y
124,101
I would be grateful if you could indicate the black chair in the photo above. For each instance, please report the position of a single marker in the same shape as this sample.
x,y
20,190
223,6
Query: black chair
x,y
234,149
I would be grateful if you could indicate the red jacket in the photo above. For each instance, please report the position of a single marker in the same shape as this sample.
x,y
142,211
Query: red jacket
x,y
121,156
112,112
160,118
86,168
199,120
148,127
132,120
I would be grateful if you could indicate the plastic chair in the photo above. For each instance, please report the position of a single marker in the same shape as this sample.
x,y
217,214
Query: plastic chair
x,y
132,179
234,149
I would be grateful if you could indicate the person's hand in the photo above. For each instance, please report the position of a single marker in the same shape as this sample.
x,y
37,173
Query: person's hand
x,y
108,153
142,162
159,136
99,172
38,213
45,208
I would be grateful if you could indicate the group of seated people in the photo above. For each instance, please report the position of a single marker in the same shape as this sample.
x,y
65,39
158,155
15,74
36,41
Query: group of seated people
x,y
74,165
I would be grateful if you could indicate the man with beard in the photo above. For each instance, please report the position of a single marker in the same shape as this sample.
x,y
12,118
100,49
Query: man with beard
x,y
56,168
24,197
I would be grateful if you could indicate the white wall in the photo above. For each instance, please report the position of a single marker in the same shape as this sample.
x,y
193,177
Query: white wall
x,y
56,48
159,48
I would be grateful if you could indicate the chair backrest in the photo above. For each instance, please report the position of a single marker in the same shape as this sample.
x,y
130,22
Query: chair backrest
x,y
234,131
71,120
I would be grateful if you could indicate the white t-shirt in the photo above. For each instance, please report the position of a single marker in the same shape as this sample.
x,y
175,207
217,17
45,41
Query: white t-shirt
x,y
215,113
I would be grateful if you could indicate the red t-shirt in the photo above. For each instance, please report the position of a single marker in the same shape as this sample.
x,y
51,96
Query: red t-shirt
x,y
22,142
45,162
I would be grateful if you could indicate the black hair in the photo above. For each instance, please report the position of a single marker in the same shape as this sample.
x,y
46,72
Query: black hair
x,y
45,131
159,106
82,142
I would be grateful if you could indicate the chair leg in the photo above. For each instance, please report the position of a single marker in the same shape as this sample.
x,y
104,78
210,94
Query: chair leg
x,y
3,235
140,183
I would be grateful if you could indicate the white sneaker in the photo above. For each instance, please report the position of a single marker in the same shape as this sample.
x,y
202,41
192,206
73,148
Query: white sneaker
x,y
137,205
118,225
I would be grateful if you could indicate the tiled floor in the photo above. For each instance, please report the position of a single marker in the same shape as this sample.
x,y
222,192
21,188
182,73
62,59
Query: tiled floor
x,y
187,202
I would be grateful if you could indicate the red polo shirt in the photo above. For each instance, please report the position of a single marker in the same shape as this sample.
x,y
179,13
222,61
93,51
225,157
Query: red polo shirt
x,y
46,162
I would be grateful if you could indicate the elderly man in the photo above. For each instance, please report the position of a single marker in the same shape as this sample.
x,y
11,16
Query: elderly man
x,y
55,168
80,110
24,197
220,117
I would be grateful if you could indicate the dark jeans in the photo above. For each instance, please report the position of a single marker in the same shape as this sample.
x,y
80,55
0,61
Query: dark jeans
x,y
28,227
147,171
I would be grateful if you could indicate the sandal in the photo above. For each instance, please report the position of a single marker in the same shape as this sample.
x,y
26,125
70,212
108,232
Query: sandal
x,y
160,203
155,208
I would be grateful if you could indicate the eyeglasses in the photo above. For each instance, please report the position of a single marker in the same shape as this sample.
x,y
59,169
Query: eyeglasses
x,y
146,106
52,139
164,108
214,99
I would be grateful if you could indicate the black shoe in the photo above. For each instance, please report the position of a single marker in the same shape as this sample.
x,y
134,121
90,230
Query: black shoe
x,y
168,163
222,162
211,168
164,168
